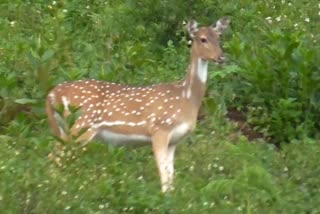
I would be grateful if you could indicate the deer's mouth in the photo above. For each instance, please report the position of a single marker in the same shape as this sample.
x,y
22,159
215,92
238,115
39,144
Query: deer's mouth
x,y
220,60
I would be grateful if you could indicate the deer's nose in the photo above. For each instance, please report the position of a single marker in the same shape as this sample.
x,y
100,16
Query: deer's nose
x,y
220,59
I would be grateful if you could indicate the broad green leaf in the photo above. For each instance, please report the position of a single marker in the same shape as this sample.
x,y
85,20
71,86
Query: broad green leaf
x,y
25,101
47,55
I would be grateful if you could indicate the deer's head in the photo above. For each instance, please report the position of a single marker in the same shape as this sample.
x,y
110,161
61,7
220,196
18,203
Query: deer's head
x,y
205,40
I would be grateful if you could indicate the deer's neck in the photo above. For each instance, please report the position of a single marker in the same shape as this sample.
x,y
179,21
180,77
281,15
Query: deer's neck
x,y
194,85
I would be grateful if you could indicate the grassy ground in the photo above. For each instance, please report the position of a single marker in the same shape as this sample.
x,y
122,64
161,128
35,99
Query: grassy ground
x,y
213,174
273,76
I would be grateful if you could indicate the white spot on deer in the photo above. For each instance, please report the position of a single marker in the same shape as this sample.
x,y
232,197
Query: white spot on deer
x,y
189,92
66,103
151,115
183,94
52,98
118,123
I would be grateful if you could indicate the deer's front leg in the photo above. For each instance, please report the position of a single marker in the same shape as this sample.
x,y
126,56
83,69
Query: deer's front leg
x,y
170,166
160,143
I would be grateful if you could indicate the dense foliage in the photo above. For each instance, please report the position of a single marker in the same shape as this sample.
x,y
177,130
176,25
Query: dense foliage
x,y
272,76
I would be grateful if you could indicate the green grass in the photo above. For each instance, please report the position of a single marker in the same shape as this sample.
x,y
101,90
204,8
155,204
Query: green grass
x,y
213,174
272,75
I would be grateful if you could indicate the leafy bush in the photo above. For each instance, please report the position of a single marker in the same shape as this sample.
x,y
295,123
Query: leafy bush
x,y
278,68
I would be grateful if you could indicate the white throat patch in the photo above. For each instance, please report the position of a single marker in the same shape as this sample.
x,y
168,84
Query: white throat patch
x,y
202,70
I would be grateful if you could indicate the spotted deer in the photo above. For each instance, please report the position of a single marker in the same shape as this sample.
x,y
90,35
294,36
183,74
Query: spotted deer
x,y
160,114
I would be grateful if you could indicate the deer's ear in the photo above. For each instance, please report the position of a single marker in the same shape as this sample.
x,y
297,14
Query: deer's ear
x,y
192,28
222,24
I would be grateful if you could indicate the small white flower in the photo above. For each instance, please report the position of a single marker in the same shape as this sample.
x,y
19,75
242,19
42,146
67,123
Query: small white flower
x,y
285,169
65,10
54,3
101,206
296,25
64,193
221,168
140,178
307,20
88,7
205,203
13,23
189,42
289,4
278,18
67,208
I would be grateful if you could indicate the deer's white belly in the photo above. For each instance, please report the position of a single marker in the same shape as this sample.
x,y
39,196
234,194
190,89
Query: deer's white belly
x,y
117,139
180,131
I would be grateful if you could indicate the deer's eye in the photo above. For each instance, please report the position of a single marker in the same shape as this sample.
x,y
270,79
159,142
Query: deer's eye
x,y
203,40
